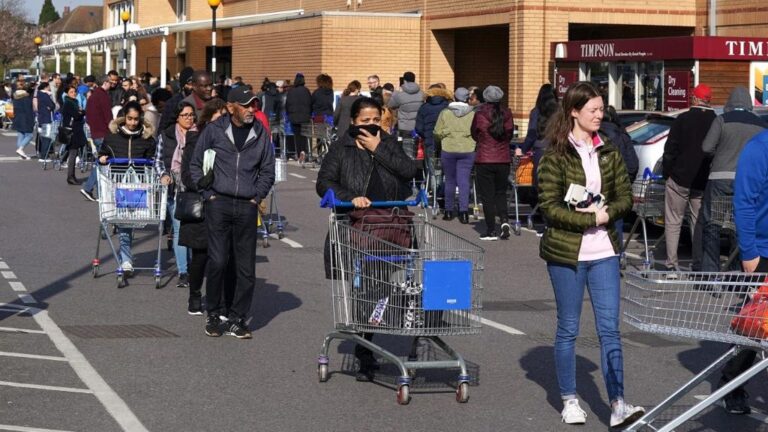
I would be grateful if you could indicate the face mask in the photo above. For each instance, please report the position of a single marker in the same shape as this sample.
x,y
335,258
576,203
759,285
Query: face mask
x,y
354,130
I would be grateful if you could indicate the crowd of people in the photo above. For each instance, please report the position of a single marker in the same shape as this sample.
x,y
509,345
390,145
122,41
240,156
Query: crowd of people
x,y
385,137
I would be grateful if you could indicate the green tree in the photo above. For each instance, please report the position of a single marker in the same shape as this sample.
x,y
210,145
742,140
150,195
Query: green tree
x,y
48,13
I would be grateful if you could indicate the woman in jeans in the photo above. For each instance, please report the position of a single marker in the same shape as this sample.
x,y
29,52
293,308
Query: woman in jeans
x,y
580,244
492,129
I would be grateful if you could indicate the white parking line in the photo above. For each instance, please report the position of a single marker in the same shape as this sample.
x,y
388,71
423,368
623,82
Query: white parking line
x,y
3,265
297,175
20,330
497,326
17,286
45,387
27,429
8,274
31,356
28,299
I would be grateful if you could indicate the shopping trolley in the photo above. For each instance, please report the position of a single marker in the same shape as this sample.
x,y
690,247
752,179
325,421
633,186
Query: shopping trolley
x,y
722,216
130,196
319,135
648,205
429,290
51,132
273,219
699,306
521,176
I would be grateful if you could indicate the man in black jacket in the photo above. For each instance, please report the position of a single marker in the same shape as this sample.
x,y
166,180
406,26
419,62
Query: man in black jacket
x,y
685,167
243,174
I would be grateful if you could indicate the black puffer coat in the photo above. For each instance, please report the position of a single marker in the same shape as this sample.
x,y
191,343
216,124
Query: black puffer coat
x,y
191,234
74,117
346,169
120,144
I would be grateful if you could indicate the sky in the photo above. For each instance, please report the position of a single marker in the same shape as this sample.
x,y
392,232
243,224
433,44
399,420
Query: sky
x,y
34,6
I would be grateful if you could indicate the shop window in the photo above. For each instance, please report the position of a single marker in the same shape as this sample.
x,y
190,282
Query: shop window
x,y
597,74
651,86
625,89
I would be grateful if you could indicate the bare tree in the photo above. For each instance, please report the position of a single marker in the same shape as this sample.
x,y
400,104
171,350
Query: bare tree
x,y
17,42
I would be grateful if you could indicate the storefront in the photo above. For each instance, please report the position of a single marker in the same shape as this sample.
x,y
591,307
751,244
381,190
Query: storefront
x,y
657,74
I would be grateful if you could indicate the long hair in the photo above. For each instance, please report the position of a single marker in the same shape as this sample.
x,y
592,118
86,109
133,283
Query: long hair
x,y
546,94
561,124
497,122
209,109
353,86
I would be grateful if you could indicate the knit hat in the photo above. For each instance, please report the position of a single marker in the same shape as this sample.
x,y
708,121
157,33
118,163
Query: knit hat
x,y
461,94
703,92
493,94
185,76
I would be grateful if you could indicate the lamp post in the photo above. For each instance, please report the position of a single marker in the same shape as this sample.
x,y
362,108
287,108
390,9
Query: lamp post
x,y
125,16
214,4
38,40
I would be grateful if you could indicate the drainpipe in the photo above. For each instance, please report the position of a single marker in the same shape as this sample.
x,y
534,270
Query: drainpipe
x,y
713,17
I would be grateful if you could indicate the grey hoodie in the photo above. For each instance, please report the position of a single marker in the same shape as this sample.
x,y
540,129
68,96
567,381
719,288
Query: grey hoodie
x,y
407,103
730,132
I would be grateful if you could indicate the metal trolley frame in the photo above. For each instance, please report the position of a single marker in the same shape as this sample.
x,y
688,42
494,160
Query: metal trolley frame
x,y
648,196
381,287
521,166
722,215
130,196
699,306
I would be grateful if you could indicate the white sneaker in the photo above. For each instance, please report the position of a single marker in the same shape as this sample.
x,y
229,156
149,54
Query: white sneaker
x,y
21,154
624,414
573,414
127,267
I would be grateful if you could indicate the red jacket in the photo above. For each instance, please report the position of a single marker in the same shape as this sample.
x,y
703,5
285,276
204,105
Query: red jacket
x,y
98,113
489,150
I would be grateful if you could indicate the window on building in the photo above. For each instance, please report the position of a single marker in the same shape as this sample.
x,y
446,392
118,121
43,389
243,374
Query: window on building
x,y
117,8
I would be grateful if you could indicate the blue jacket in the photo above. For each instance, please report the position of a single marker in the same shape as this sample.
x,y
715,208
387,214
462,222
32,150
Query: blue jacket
x,y
247,174
23,116
45,108
426,118
750,198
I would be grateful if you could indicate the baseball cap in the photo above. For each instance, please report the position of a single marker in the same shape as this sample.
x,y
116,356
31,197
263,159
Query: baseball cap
x,y
703,92
241,95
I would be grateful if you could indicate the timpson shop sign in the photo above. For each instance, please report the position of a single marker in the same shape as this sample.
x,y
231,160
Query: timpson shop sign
x,y
659,49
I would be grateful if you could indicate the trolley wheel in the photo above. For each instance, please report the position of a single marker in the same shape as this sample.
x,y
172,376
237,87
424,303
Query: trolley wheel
x,y
322,372
57,165
120,281
265,242
412,373
403,394
623,262
530,223
44,165
280,235
517,229
169,244
476,213
462,393
95,270
157,282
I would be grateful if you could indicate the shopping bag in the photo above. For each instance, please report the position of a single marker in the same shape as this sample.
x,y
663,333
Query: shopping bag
x,y
391,225
752,319
131,198
524,172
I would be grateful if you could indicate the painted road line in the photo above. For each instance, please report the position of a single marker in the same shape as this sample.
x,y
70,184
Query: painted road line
x,y
45,387
8,274
28,299
289,242
8,309
31,356
3,265
297,175
314,181
103,392
27,429
20,330
17,286
497,326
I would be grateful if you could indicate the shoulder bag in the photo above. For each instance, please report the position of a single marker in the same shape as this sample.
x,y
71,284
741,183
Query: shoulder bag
x,y
190,207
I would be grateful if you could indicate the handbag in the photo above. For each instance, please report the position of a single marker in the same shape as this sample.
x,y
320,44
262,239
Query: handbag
x,y
392,225
752,319
65,133
190,207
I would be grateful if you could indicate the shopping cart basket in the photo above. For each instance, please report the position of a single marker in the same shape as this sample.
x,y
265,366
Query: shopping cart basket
x,y
521,176
319,135
130,196
648,205
431,289
699,306
722,216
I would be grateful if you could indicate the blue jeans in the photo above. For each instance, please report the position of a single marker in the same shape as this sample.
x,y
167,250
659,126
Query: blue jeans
x,y
22,139
126,240
181,252
93,177
457,168
601,277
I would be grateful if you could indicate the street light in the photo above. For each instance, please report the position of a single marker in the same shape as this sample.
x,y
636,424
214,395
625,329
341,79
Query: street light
x,y
38,40
214,4
125,16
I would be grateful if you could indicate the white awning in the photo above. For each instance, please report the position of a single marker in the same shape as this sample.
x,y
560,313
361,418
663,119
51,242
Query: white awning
x,y
136,32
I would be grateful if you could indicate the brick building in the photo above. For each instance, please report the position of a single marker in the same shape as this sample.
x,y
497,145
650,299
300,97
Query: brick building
x,y
460,43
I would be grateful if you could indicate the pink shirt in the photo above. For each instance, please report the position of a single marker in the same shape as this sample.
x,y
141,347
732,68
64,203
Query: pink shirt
x,y
595,244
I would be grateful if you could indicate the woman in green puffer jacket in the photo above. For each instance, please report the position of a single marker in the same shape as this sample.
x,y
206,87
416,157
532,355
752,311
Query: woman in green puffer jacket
x,y
580,244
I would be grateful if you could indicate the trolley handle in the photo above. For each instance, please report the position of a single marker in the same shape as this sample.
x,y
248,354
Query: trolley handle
x,y
648,174
129,161
330,201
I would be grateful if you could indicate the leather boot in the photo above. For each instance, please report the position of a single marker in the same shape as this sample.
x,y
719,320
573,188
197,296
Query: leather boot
x,y
447,215
74,181
464,217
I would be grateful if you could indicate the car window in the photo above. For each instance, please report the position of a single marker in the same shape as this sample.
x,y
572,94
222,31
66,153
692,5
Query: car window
x,y
628,119
650,130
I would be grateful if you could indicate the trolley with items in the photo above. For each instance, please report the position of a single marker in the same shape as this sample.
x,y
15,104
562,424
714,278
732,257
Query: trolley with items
x,y
130,196
398,274
521,176
731,308
648,205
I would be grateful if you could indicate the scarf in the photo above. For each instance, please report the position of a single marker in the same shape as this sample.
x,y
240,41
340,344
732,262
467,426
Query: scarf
x,y
181,142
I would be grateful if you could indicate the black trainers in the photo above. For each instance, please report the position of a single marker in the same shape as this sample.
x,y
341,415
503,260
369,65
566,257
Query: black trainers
x,y
736,402
505,231
364,374
238,329
489,236
88,195
183,281
195,306
213,326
